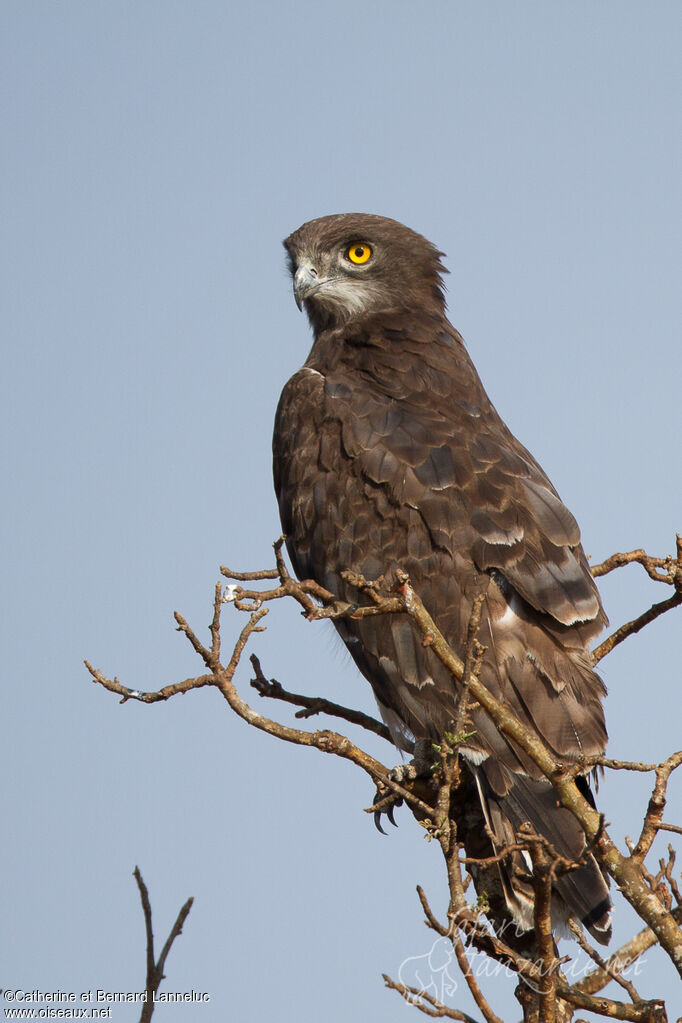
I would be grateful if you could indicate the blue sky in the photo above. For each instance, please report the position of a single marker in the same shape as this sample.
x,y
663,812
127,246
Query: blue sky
x,y
153,157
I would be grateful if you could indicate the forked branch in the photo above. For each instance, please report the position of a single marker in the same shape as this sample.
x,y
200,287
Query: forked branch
x,y
155,967
651,897
663,570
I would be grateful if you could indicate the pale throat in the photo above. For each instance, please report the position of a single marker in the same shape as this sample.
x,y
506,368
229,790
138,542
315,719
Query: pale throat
x,y
347,296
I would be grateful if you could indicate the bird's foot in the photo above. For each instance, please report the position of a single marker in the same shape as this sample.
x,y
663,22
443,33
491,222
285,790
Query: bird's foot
x,y
404,773
421,766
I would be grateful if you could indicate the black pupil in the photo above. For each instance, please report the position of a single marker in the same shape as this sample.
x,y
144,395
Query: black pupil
x,y
359,252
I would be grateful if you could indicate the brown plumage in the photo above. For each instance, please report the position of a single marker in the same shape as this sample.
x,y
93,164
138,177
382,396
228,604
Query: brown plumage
x,y
389,454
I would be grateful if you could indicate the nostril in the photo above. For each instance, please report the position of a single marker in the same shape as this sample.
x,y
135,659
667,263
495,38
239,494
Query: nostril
x,y
312,271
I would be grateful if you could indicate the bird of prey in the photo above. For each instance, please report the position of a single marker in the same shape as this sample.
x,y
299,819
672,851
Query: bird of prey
x,y
389,455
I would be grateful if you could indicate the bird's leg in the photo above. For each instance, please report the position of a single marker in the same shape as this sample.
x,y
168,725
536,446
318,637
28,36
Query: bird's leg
x,y
421,765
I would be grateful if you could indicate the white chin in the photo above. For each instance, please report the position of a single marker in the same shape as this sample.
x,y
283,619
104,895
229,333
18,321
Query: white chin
x,y
347,297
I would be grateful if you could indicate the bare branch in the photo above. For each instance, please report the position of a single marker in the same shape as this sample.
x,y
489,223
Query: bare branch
x,y
155,970
473,658
542,920
221,678
252,600
620,960
313,704
114,686
654,814
651,896
652,566
415,996
467,973
670,827
604,965
664,570
215,622
431,920
631,628
623,869
621,765
487,861
668,874
644,1012
266,573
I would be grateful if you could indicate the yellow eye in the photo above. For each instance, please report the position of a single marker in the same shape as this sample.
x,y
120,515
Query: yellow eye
x,y
359,253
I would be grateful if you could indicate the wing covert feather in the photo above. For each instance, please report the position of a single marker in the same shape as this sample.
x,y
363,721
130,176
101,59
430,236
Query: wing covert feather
x,y
389,472
389,454
444,450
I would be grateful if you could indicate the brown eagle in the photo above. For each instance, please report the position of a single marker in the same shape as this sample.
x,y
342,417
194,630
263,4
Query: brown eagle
x,y
388,454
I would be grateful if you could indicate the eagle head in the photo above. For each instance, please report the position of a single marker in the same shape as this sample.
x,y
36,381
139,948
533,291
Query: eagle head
x,y
350,264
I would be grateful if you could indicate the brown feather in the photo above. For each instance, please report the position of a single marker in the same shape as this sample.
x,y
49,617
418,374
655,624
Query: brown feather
x,y
389,454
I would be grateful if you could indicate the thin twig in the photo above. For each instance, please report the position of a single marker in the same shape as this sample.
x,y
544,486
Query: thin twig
x,y
222,676
621,765
431,920
155,970
318,603
620,960
473,659
313,704
158,696
644,1012
617,963
649,564
412,996
472,983
215,622
670,827
623,869
478,935
542,922
631,628
603,964
654,814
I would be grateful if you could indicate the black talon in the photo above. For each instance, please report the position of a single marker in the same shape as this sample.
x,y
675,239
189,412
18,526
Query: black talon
x,y
379,798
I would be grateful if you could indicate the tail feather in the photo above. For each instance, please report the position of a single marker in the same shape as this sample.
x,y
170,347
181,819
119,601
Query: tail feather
x,y
582,892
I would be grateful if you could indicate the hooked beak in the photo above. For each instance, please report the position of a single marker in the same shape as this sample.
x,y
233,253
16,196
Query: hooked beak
x,y
306,281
